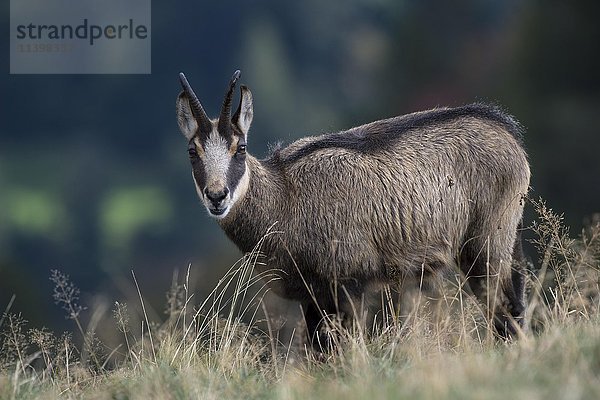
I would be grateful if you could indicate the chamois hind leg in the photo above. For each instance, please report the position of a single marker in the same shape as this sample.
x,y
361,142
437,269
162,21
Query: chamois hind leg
x,y
517,302
486,263
514,290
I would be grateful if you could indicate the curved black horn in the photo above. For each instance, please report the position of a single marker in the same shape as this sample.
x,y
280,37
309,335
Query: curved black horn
x,y
225,117
197,110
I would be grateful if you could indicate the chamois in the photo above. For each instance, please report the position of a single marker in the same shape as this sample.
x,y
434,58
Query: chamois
x,y
424,192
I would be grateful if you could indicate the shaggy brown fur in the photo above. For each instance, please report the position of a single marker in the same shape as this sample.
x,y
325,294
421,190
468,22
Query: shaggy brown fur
x,y
438,190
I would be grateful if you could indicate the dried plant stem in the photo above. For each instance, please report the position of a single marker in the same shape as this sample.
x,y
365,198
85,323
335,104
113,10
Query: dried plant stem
x,y
145,316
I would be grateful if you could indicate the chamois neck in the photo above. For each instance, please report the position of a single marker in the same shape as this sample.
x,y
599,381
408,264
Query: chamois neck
x,y
258,209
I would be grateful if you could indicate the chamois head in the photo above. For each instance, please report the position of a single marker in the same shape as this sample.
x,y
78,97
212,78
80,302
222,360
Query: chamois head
x,y
217,148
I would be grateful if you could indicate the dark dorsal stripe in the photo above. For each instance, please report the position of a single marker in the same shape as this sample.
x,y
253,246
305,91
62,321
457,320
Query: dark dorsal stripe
x,y
379,135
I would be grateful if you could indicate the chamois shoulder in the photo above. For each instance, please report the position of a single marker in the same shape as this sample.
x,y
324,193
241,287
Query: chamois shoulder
x,y
378,135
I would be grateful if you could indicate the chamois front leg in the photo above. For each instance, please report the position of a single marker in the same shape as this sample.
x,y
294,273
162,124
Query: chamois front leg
x,y
316,318
330,316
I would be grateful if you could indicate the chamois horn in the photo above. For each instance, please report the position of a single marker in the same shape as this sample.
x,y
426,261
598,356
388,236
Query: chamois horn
x,y
197,110
225,117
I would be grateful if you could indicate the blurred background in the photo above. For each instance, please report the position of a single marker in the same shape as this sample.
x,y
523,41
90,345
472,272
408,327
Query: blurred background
x,y
94,175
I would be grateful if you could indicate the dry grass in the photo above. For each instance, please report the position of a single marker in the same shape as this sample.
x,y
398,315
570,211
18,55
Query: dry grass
x,y
206,350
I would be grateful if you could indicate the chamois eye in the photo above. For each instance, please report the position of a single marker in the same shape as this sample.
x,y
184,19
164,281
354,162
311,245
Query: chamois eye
x,y
241,149
192,151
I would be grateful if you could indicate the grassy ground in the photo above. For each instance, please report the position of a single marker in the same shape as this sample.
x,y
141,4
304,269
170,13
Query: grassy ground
x,y
205,351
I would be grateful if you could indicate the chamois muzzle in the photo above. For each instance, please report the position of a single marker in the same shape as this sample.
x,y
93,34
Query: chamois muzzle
x,y
216,197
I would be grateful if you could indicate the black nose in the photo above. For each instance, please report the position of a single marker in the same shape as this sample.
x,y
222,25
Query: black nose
x,y
216,197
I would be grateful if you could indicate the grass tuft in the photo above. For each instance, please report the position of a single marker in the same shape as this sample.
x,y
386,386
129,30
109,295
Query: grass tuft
x,y
416,346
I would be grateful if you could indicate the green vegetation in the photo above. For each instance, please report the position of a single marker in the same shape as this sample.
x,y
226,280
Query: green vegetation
x,y
34,211
127,212
425,349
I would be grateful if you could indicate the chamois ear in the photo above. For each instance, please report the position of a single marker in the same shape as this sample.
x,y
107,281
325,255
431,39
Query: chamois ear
x,y
243,116
185,118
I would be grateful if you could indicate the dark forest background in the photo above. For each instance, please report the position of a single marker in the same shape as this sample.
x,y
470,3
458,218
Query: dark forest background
x,y
94,177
